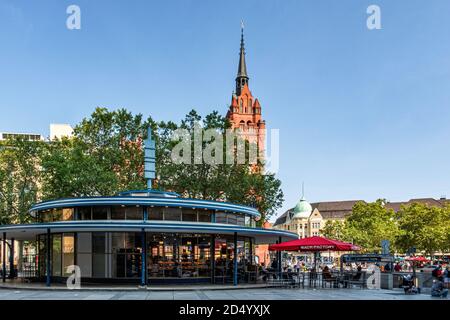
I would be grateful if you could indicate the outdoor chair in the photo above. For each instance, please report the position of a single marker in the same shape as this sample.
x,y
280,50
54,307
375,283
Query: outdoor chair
x,y
359,279
330,279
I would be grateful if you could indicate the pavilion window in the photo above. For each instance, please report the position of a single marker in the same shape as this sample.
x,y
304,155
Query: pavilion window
x,y
56,254
126,250
248,221
134,213
67,214
45,216
189,214
57,214
85,213
240,220
232,219
172,214
118,213
204,216
100,213
155,213
221,217
98,254
68,252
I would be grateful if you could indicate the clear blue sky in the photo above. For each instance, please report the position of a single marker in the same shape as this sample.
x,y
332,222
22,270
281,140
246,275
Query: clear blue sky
x,y
362,114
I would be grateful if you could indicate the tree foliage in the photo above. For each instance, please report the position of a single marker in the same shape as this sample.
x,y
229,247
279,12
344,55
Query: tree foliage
x,y
20,176
105,156
424,227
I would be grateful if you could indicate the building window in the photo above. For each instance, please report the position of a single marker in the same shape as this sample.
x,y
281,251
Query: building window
x,y
189,214
100,213
84,213
221,217
68,252
134,213
155,213
248,221
204,216
231,219
240,220
56,254
172,214
126,213
118,213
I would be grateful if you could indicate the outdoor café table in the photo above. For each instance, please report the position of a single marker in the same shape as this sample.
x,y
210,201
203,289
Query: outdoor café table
x,y
314,279
333,279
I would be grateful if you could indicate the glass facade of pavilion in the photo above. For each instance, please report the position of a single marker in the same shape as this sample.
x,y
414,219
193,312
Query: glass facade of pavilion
x,y
144,237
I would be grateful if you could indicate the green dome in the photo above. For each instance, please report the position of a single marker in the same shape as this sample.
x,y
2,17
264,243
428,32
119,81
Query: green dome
x,y
302,210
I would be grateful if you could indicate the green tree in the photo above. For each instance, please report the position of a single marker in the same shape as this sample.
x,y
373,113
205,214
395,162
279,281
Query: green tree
x,y
239,183
19,179
369,224
424,227
334,229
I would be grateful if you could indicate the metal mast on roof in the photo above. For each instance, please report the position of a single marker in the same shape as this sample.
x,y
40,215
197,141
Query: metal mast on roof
x,y
149,159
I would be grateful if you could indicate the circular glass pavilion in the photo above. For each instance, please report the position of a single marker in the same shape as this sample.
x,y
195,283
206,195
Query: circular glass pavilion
x,y
146,237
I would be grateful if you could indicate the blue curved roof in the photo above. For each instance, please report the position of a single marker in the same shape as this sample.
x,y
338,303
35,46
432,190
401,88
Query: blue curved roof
x,y
151,226
146,201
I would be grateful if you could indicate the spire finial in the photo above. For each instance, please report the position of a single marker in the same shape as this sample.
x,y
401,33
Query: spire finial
x,y
242,77
303,190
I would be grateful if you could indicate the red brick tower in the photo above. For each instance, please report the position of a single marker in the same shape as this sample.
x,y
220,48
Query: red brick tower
x,y
245,110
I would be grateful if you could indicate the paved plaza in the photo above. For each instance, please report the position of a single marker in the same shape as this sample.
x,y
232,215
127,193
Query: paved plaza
x,y
242,294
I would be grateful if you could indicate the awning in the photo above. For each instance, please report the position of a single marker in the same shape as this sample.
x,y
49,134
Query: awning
x,y
314,244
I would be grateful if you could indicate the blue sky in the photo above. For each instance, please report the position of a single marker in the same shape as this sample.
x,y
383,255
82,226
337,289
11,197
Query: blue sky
x,y
362,114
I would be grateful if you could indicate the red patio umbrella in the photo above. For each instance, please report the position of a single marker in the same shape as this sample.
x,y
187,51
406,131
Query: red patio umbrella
x,y
314,244
417,259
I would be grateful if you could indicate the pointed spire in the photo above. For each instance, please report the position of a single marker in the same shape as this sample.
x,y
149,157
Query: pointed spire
x,y
242,77
242,69
303,190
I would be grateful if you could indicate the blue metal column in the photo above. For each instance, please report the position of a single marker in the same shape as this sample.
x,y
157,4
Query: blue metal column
x,y
4,258
144,258
11,259
145,214
212,254
235,269
48,264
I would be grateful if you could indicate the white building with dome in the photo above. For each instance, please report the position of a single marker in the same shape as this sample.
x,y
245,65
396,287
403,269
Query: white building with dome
x,y
302,219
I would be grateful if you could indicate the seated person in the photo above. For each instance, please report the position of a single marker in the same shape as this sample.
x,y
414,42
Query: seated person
x,y
438,290
358,274
326,273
